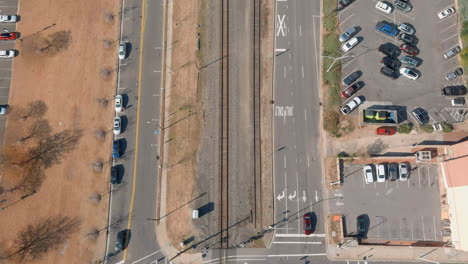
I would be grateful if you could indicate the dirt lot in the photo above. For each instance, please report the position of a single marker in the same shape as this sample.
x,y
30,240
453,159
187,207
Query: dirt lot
x,y
69,83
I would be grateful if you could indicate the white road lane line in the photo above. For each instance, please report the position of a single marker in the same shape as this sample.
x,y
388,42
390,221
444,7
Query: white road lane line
x,y
300,235
284,71
147,256
305,114
297,242
302,72
454,35
300,30
308,160
297,255
284,161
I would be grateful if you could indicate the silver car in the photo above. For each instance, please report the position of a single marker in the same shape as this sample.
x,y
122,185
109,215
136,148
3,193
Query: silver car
x,y
122,51
403,168
347,34
117,125
408,60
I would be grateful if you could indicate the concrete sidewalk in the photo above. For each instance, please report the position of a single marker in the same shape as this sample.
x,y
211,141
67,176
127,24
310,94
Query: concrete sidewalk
x,y
396,253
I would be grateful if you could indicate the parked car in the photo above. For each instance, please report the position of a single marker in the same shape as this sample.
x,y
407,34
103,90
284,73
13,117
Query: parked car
x,y
344,3
389,62
387,28
117,125
3,109
345,36
369,174
420,115
8,18
116,149
408,60
393,171
454,90
118,103
403,168
384,7
452,52
122,240
408,49
446,12
361,225
381,173
348,92
454,74
8,36
351,78
459,101
122,51
351,105
389,72
307,218
386,131
403,6
388,49
350,44
7,54
114,176
407,38
405,28
409,73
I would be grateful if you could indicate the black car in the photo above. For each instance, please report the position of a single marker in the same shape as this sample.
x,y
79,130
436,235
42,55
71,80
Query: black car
x,y
389,62
454,90
388,50
420,115
393,171
114,175
389,72
122,240
351,78
344,3
407,38
362,222
403,5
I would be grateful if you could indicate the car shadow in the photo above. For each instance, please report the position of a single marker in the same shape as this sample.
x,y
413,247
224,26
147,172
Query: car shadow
x,y
205,209
125,100
120,172
123,146
124,123
128,48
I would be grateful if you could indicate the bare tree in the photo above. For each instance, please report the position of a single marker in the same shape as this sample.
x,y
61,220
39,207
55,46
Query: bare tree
x,y
107,43
50,150
53,43
34,109
48,234
95,197
97,166
40,129
93,234
108,17
103,102
100,134
105,73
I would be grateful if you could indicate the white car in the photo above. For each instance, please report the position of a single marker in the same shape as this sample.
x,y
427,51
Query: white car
x,y
8,18
409,73
381,173
349,107
350,44
368,173
117,125
384,7
122,51
118,103
447,12
3,109
403,168
7,54
405,28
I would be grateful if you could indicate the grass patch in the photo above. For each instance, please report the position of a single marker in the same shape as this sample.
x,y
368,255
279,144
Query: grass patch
x,y
331,121
405,128
427,128
446,127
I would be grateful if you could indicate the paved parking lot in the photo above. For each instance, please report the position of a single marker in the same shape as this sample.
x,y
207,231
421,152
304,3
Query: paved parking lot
x,y
7,7
435,37
396,210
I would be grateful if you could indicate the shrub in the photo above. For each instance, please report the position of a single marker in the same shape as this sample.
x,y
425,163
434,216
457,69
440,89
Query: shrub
x,y
331,120
427,128
446,127
405,128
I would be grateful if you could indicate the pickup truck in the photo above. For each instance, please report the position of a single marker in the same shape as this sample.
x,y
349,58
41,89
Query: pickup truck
x,y
387,28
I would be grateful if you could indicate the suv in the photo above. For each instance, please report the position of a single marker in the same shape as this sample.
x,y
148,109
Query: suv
x,y
452,52
454,90
420,115
348,34
454,74
389,72
407,38
387,28
410,61
121,242
389,62
403,6
393,171
116,149
388,50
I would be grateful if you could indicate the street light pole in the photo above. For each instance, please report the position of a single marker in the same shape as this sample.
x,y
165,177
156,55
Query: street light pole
x,y
335,59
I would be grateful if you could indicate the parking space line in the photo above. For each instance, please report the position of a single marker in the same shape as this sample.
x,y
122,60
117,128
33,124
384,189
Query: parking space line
x,y
346,19
401,13
412,231
419,177
428,175
394,20
454,35
424,233
435,230
448,27
454,57
382,34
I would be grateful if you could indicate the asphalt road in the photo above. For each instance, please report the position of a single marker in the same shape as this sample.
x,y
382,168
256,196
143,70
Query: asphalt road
x,y
134,200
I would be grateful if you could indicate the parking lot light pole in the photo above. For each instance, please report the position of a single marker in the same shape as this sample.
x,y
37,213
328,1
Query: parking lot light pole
x,y
335,59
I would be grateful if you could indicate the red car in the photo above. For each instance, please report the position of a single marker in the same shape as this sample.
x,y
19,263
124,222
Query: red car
x,y
308,224
8,36
408,49
386,131
348,92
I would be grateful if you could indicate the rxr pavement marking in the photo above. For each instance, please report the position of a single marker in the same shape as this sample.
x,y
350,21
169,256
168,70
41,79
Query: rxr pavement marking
x,y
281,25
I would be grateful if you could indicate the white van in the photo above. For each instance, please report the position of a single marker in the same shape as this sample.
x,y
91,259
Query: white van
x,y
381,173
